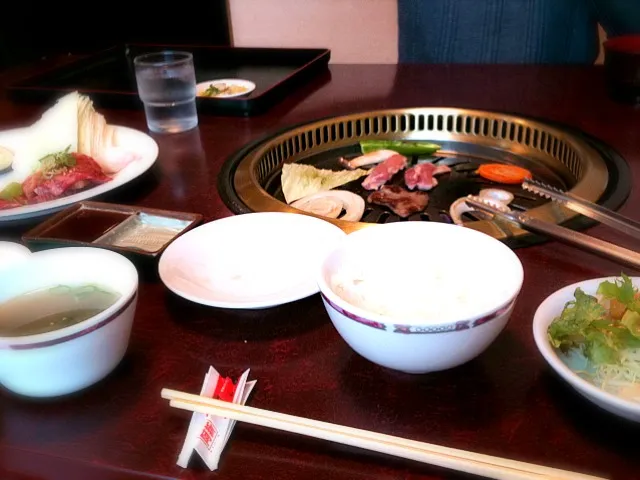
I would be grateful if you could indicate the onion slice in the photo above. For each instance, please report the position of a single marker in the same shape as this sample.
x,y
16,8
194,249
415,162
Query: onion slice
x,y
499,198
331,204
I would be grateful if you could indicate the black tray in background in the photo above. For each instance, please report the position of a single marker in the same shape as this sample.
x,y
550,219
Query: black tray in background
x,y
108,76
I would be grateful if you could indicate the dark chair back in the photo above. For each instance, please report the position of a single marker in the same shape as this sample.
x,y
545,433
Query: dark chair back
x,y
50,28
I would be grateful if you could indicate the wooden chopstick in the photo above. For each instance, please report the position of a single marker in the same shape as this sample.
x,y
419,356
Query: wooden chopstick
x,y
469,462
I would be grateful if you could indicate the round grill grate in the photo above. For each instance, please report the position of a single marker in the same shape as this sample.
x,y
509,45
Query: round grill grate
x,y
562,157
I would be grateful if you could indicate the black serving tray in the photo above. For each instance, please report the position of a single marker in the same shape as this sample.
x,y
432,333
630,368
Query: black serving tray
x,y
108,76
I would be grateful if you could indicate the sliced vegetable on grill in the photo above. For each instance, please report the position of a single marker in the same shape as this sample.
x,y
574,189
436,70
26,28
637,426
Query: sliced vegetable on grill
x,y
299,181
404,148
331,204
500,173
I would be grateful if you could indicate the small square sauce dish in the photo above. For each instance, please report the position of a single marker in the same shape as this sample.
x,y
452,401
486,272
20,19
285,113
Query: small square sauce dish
x,y
131,230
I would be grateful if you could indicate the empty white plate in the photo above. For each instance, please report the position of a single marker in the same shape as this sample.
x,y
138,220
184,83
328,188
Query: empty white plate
x,y
255,260
235,87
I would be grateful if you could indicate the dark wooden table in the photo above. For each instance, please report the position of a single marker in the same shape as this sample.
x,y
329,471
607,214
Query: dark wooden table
x,y
507,402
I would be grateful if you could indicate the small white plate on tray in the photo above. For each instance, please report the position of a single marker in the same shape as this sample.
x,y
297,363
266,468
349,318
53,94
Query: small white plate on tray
x,y
129,139
254,260
246,85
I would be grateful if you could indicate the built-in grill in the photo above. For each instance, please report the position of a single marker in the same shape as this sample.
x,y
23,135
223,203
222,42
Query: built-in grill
x,y
557,155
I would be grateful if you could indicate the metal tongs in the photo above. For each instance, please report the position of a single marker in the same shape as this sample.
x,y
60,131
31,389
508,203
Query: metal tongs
x,y
588,243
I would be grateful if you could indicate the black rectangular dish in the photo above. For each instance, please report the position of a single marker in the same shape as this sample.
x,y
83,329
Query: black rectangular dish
x,y
108,76
136,232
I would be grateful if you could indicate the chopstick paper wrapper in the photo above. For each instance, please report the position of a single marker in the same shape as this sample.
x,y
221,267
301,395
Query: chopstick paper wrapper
x,y
208,434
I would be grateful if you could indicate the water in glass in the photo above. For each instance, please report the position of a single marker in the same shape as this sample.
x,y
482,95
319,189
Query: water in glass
x,y
168,93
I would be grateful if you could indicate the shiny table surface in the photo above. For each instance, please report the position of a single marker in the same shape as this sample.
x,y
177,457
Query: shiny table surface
x,y
507,402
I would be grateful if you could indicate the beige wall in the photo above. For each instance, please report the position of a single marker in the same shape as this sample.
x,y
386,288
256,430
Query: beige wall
x,y
341,25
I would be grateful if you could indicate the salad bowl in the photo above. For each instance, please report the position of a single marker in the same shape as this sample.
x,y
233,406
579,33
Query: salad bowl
x,y
571,365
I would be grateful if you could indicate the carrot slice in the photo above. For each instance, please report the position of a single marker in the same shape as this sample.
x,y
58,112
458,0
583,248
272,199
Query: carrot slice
x,y
500,173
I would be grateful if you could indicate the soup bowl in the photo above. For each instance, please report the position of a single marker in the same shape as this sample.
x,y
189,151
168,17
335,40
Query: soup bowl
x,y
12,253
420,297
74,357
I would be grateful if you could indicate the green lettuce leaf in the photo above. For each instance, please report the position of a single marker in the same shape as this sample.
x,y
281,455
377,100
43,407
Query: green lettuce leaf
x,y
571,327
586,324
621,290
599,347
631,320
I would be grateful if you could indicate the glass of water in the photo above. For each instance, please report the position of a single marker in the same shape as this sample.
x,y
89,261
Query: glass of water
x,y
167,87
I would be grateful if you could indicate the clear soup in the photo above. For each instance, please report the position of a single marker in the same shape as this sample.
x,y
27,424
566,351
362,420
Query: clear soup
x,y
49,309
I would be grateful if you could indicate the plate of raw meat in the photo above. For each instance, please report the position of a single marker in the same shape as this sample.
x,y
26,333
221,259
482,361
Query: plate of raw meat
x,y
70,154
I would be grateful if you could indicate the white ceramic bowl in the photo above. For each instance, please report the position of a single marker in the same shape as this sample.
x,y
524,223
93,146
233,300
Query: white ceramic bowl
x,y
550,309
72,358
468,280
12,253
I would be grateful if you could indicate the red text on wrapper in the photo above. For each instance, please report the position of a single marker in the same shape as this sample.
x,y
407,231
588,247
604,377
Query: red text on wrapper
x,y
209,434
225,389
